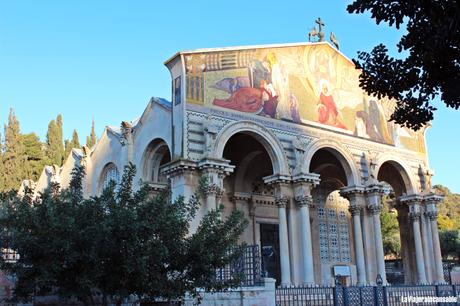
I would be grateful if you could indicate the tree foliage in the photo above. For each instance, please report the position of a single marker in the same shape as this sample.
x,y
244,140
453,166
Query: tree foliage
x,y
34,156
91,139
54,144
119,243
450,243
390,232
449,222
431,67
14,154
74,143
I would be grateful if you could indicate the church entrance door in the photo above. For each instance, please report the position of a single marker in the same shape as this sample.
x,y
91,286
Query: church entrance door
x,y
269,241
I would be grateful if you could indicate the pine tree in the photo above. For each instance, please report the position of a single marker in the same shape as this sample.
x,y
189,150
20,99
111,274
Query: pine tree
x,y
91,139
53,144
14,155
71,144
35,156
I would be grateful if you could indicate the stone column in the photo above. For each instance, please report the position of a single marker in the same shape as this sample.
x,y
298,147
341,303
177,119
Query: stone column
x,y
432,212
414,215
375,210
358,239
210,196
281,202
431,260
303,184
305,202
369,245
183,176
374,196
426,245
353,195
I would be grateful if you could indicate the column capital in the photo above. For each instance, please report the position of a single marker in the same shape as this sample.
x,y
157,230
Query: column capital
x,y
304,200
354,210
432,215
374,209
281,201
212,189
415,216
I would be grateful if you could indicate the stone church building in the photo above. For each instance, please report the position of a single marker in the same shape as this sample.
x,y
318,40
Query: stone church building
x,y
285,134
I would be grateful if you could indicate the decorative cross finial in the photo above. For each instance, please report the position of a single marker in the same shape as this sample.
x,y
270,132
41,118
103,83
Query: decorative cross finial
x,y
320,24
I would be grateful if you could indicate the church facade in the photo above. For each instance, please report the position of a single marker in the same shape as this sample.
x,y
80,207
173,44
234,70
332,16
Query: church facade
x,y
285,134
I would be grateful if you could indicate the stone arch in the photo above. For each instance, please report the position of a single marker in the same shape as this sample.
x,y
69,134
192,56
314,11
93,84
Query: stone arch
x,y
340,152
156,154
401,167
268,140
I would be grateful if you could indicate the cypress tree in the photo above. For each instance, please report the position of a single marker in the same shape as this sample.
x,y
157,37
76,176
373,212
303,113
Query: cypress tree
x,y
75,140
53,144
14,155
91,139
71,144
59,124
34,155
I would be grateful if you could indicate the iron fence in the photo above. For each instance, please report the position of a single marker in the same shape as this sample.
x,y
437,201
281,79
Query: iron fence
x,y
297,296
367,295
246,267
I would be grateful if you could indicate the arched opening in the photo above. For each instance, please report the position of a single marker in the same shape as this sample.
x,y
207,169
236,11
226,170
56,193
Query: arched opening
x,y
331,221
396,230
156,155
252,163
260,134
246,191
109,173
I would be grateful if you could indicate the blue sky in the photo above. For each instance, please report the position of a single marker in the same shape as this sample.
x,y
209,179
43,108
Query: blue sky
x,y
104,59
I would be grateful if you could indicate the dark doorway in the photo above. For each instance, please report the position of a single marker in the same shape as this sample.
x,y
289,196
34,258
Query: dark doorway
x,y
269,241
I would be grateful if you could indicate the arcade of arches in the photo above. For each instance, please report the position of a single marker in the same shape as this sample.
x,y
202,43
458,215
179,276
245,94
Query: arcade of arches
x,y
320,224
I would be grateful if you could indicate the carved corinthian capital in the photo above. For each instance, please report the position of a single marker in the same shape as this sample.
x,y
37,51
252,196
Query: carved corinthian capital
x,y
304,200
354,210
281,201
374,209
414,216
212,189
432,215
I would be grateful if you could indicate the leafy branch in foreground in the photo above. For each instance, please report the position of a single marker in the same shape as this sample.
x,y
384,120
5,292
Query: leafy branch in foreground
x,y
431,68
118,244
